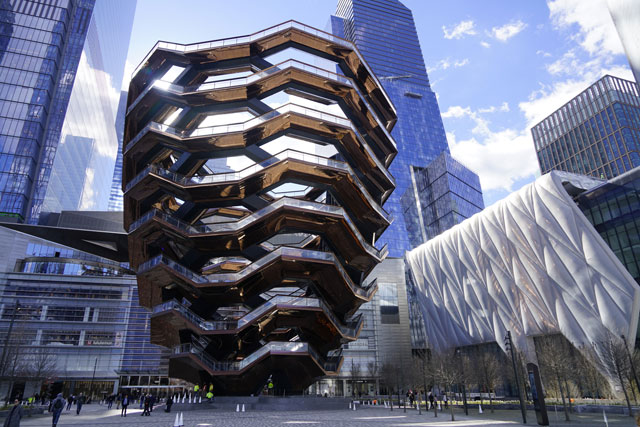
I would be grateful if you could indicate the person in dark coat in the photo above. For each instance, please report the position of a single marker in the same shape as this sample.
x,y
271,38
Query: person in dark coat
x,y
15,415
125,403
152,401
69,402
79,402
57,405
147,403
169,403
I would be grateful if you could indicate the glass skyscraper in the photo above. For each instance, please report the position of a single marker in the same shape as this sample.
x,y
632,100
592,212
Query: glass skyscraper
x,y
597,133
443,194
41,46
41,52
82,173
384,32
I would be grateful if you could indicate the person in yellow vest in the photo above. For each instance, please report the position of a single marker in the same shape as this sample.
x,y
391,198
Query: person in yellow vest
x,y
196,390
270,386
211,387
209,396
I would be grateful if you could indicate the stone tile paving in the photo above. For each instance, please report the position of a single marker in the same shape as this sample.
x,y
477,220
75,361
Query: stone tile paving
x,y
96,416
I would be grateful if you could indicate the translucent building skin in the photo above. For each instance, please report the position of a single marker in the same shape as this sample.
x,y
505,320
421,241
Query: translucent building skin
x,y
531,264
384,32
257,270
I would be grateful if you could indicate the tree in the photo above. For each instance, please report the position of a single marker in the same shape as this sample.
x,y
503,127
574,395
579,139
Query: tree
x,y
372,369
42,364
591,377
556,364
355,375
615,362
446,367
487,370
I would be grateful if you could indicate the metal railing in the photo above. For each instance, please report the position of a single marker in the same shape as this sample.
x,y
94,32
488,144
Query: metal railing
x,y
281,301
232,41
228,177
243,81
283,251
295,347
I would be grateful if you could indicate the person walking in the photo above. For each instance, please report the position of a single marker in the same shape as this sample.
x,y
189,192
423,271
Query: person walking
x,y
152,401
70,401
79,402
57,406
169,403
147,402
118,400
142,398
125,403
15,415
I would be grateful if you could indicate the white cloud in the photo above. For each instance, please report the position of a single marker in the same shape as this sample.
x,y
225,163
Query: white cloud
x,y
597,33
504,108
507,31
485,44
499,158
446,63
543,53
464,28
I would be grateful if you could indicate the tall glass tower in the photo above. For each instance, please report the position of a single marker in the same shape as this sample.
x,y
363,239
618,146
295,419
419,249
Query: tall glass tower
x,y
82,172
385,34
43,47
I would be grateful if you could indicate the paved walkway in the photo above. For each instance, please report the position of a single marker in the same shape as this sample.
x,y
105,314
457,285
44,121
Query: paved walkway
x,y
98,416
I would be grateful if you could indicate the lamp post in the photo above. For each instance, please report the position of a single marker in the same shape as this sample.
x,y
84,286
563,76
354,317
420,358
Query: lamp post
x,y
509,346
16,308
3,360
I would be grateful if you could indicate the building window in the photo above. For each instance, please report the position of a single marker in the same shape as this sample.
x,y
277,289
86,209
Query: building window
x,y
389,312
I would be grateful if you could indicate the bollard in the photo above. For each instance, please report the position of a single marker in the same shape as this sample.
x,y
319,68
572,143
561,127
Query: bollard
x,y
181,420
200,401
439,407
350,405
243,407
237,407
176,423
354,406
479,408
184,397
189,397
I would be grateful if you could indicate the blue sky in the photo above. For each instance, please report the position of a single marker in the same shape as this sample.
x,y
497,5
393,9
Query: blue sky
x,y
497,66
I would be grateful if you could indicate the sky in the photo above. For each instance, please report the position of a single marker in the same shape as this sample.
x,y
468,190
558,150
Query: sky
x,y
498,67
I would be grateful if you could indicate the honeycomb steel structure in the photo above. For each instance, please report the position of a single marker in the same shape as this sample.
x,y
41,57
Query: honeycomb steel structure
x,y
257,271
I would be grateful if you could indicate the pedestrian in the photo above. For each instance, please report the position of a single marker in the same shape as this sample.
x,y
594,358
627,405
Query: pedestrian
x,y
57,406
445,400
118,400
431,399
169,403
152,401
70,401
209,396
142,397
125,403
14,416
147,401
79,402
110,401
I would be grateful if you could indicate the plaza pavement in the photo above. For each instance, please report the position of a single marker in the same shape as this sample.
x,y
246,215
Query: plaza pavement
x,y
99,416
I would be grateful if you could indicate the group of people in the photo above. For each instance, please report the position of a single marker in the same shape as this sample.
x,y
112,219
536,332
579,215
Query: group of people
x,y
431,399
